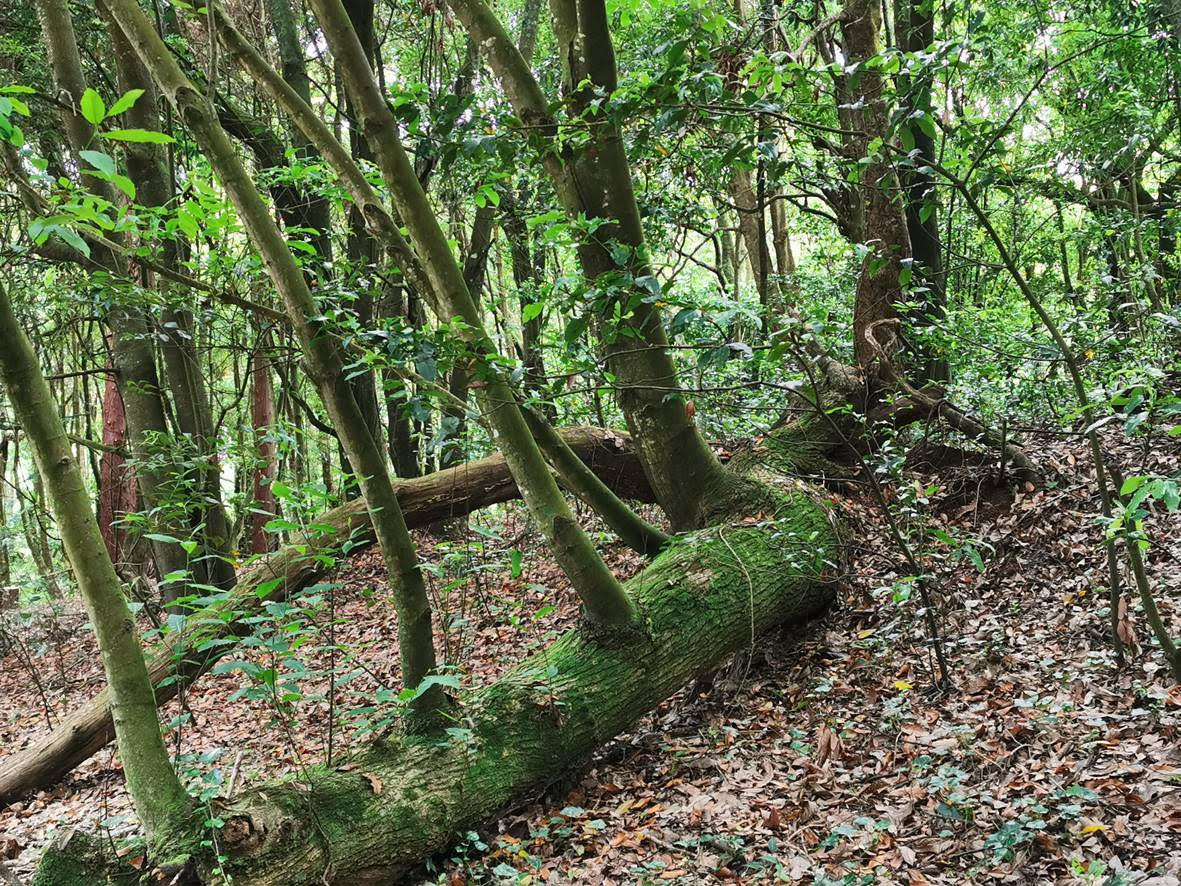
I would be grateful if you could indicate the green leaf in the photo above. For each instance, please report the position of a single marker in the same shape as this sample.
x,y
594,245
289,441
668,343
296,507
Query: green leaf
x,y
126,102
103,162
139,136
18,90
124,184
927,124
92,107
70,236
531,311
516,558
1131,484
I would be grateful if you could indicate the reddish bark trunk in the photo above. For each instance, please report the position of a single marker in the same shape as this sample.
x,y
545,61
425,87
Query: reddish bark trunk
x,y
117,489
262,413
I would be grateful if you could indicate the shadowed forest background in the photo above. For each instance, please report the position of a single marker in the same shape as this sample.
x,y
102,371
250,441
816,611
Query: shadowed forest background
x,y
504,441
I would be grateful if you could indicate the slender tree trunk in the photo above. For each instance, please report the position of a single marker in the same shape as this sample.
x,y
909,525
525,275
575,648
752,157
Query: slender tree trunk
x,y
474,267
117,488
310,205
362,248
596,585
915,24
527,261
133,354
33,526
596,184
147,167
5,556
262,414
161,802
752,227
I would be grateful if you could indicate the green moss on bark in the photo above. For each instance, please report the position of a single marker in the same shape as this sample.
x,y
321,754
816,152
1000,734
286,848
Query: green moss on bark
x,y
708,595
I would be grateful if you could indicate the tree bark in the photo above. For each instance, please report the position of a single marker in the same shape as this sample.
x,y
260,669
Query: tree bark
x,y
132,350
595,584
5,557
322,353
35,532
701,602
879,284
915,24
117,491
596,184
425,500
702,599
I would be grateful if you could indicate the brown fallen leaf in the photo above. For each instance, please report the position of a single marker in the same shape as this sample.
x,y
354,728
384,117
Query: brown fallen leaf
x,y
374,782
772,821
1123,625
828,745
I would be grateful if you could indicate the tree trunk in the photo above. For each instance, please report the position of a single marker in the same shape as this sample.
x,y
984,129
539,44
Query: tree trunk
x,y
424,500
915,24
702,599
161,802
595,183
605,600
262,413
879,285
132,351
5,557
117,491
474,266
36,534
322,354
752,225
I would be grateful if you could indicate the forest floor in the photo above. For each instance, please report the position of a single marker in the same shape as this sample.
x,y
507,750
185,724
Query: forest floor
x,y
825,755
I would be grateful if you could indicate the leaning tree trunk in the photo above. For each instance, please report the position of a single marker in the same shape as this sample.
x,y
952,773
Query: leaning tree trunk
x,y
191,652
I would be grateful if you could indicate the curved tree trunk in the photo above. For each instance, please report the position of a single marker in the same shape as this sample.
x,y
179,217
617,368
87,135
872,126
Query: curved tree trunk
x,y
424,500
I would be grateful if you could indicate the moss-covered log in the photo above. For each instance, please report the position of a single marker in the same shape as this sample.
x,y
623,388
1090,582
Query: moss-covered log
x,y
710,594
424,500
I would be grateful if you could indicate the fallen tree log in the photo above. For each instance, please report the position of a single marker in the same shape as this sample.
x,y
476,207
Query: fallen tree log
x,y
708,594
211,633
